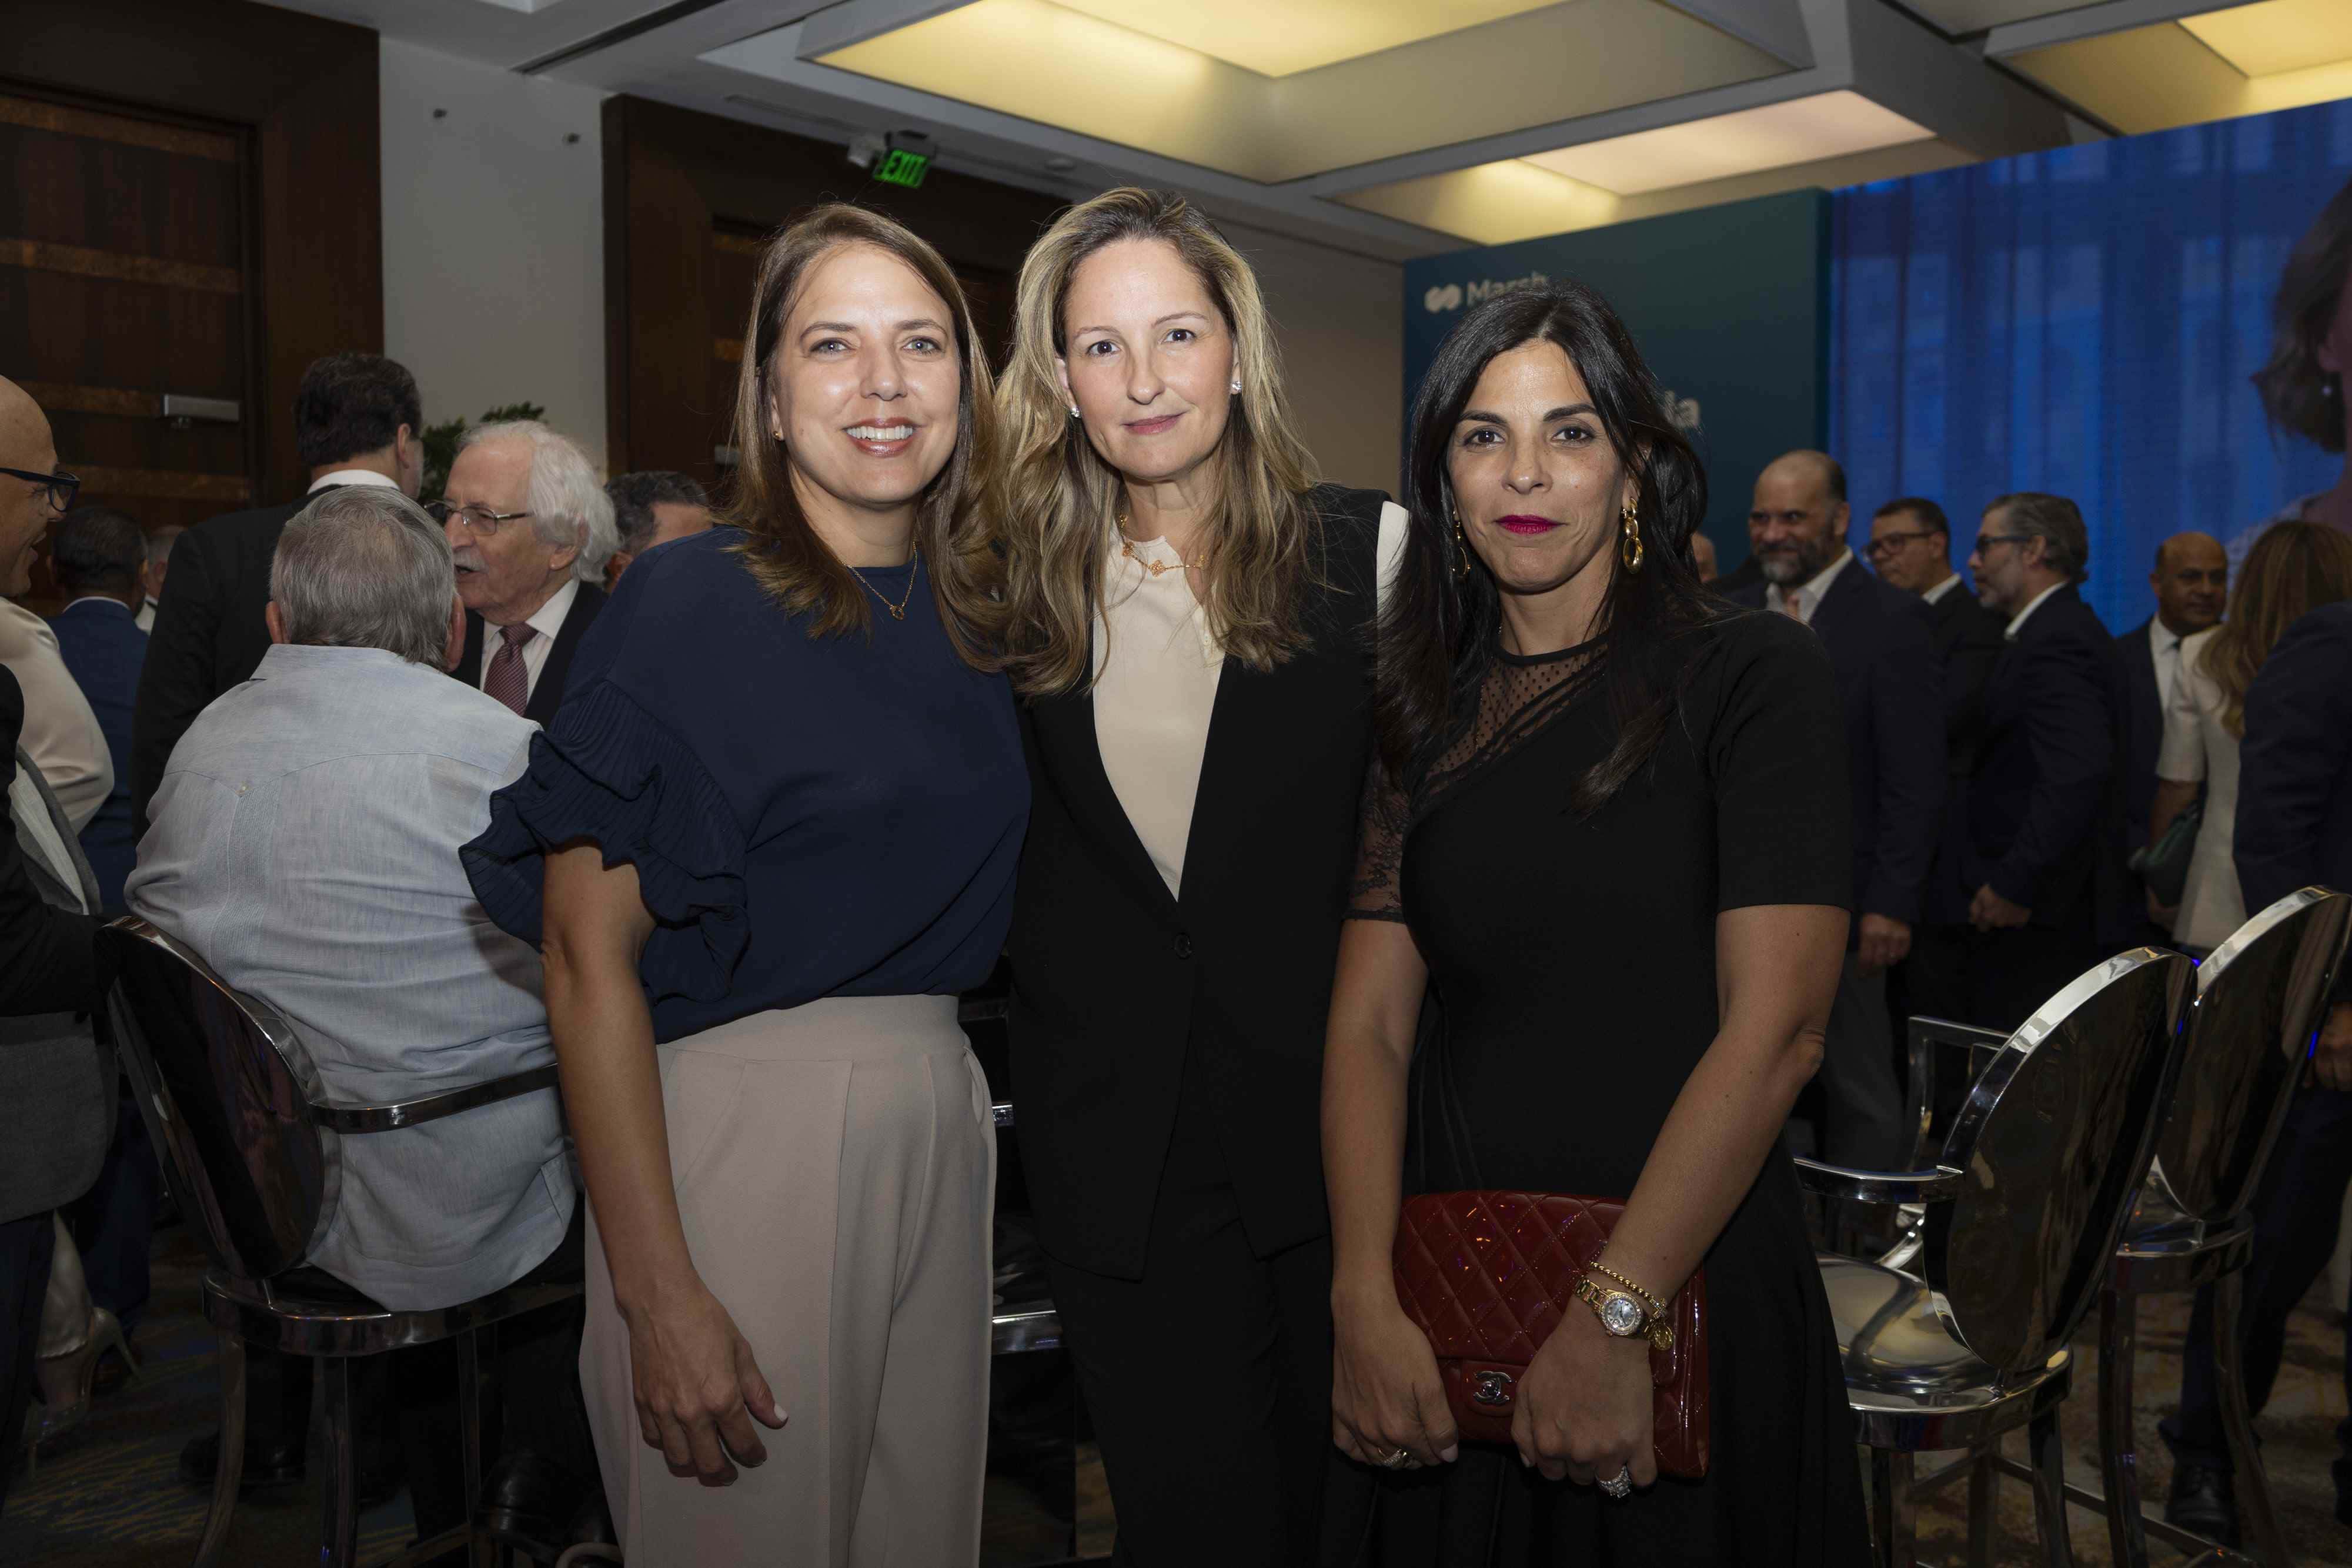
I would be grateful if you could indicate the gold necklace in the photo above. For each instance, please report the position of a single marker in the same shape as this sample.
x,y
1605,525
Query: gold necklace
x,y
1127,548
899,610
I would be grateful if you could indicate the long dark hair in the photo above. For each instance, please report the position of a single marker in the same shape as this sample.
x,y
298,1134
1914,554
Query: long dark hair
x,y
1438,635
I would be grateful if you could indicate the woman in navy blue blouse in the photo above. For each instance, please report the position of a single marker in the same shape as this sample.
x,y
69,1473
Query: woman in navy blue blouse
x,y
770,835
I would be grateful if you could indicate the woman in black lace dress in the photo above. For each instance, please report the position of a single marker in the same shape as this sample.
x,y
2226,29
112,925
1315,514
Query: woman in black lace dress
x,y
1609,835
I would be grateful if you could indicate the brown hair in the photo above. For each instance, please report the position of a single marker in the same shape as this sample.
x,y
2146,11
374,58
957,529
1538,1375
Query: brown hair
x,y
1057,498
2294,569
782,551
2297,393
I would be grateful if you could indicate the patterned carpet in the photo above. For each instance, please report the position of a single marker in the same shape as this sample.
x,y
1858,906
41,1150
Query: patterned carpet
x,y
113,1500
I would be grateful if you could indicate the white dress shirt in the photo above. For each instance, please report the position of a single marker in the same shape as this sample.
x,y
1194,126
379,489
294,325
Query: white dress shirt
x,y
145,618
2031,606
1941,589
547,620
1807,595
2200,749
350,477
1156,664
61,733
2164,643
304,841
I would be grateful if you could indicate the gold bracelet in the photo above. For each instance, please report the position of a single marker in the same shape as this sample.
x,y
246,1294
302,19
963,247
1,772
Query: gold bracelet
x,y
1655,1327
1656,1305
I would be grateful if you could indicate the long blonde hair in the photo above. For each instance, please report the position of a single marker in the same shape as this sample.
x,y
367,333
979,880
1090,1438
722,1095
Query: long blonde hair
x,y
953,531
1056,499
2294,569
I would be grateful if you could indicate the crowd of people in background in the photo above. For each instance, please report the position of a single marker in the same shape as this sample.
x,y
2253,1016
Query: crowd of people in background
x,y
717,811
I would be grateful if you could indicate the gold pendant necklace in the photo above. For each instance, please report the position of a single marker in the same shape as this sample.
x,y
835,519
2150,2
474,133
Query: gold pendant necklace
x,y
899,610
1127,548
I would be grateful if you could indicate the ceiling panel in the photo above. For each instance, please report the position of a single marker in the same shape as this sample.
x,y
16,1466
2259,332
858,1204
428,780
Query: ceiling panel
x,y
1281,38
1773,136
2277,35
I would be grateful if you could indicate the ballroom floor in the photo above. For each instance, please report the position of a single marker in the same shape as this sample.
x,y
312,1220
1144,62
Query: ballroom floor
x,y
113,1500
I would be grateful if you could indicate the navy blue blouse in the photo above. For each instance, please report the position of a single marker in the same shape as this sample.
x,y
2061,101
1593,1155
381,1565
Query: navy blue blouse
x,y
809,817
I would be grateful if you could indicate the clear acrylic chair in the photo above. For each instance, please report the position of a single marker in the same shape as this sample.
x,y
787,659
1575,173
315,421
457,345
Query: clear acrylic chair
x,y
1959,1334
251,1148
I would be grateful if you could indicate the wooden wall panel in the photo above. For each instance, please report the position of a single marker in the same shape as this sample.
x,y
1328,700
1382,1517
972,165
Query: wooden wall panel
x,y
688,200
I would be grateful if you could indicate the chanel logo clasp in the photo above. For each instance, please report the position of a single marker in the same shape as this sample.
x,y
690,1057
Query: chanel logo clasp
x,y
1492,1388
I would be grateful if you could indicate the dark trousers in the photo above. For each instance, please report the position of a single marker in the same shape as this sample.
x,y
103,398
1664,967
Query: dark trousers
x,y
2296,1214
113,1223
1861,1105
26,1246
1208,1380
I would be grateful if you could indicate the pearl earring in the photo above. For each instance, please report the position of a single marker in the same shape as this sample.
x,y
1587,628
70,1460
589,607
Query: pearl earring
x,y
1074,411
1237,384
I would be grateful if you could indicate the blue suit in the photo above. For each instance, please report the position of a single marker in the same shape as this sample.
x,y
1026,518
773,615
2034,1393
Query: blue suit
x,y
103,648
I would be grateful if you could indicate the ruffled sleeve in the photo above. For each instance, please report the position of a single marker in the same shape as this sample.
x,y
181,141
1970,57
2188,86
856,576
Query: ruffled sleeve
x,y
610,773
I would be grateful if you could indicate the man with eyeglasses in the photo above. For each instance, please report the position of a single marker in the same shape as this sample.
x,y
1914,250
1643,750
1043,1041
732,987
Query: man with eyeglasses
x,y
62,735
357,421
2038,789
531,527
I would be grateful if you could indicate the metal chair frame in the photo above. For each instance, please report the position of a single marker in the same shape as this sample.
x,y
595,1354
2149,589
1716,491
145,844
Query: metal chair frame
x,y
2027,1363
242,1298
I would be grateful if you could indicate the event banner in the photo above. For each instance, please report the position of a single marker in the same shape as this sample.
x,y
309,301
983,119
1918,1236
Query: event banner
x,y
1731,308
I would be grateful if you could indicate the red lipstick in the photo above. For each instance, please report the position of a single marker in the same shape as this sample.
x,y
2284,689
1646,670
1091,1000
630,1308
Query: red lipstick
x,y
1518,523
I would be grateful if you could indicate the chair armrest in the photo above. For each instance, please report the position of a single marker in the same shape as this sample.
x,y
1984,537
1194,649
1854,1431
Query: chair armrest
x,y
433,1107
1937,1184
1924,1035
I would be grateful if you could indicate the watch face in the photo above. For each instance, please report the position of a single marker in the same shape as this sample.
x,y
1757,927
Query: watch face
x,y
1621,1316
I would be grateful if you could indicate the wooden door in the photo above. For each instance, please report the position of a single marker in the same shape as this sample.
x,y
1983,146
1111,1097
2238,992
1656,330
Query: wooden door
x,y
126,279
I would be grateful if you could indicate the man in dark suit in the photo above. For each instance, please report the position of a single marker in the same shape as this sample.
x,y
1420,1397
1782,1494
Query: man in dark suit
x,y
2191,581
1911,549
2294,830
56,1084
1880,646
531,529
96,555
357,421
2032,841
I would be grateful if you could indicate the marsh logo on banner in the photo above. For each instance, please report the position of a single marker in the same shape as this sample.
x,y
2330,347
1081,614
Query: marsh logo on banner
x,y
1743,344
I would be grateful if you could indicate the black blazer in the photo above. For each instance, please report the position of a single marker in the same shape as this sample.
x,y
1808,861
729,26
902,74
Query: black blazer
x,y
1115,983
2295,766
2039,790
209,633
2139,731
1968,641
1882,647
547,696
48,958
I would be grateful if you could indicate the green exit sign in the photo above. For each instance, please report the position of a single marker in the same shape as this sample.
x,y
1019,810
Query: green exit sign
x,y
900,167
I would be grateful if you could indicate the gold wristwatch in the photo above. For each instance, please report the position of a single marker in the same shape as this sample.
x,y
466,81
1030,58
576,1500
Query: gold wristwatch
x,y
1626,1314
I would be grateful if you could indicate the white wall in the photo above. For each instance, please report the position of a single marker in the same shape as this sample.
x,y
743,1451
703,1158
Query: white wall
x,y
1340,322
494,240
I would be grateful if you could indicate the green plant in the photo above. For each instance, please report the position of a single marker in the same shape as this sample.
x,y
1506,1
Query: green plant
x,y
441,443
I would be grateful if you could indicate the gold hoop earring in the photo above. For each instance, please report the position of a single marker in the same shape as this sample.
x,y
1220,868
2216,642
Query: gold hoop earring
x,y
1461,550
1628,541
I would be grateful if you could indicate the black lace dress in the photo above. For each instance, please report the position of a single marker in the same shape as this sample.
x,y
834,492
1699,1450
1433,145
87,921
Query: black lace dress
x,y
1572,958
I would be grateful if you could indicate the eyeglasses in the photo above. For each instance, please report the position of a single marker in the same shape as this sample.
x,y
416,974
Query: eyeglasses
x,y
1983,540
60,487
1887,544
479,521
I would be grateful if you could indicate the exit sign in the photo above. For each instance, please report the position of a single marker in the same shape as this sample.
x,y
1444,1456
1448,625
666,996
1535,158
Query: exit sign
x,y
901,167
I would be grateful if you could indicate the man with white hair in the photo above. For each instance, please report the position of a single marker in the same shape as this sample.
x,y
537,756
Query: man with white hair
x,y
530,528
304,842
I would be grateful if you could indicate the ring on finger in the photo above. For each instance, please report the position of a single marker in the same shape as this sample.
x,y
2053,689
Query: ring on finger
x,y
1397,1460
1621,1485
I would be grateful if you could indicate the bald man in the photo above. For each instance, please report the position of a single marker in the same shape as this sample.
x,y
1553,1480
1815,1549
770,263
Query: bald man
x,y
1881,644
2192,583
57,1090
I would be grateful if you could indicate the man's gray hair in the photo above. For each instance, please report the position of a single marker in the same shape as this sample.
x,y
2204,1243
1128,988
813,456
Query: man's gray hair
x,y
363,566
566,501
159,543
2057,522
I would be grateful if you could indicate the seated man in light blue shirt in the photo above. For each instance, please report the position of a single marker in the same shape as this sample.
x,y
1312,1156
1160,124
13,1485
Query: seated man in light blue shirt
x,y
304,842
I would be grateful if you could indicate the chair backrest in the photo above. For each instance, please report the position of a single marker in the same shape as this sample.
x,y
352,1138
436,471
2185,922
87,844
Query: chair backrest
x,y
2261,998
2053,1140
225,1089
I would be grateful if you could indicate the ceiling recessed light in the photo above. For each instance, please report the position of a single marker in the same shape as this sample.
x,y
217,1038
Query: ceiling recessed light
x,y
1800,131
1281,38
2277,35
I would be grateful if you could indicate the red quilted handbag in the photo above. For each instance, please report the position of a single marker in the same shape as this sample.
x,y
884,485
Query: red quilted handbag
x,y
1486,1276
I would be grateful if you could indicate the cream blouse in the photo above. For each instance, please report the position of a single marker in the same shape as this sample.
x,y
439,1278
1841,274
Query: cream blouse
x,y
1156,667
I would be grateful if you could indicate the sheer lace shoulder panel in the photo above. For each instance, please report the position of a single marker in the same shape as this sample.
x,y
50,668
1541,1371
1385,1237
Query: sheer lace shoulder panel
x,y
1378,892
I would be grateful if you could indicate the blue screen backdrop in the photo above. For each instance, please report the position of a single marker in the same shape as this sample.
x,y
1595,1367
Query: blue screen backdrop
x,y
2082,321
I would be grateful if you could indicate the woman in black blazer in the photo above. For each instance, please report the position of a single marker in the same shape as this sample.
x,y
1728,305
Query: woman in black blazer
x,y
1190,626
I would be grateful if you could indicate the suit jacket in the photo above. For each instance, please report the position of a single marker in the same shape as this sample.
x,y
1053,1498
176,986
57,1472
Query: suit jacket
x,y
1881,644
57,1087
209,632
2037,796
1967,642
546,695
2294,767
102,646
1118,985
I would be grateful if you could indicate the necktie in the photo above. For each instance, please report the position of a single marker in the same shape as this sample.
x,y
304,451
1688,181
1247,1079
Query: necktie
x,y
507,681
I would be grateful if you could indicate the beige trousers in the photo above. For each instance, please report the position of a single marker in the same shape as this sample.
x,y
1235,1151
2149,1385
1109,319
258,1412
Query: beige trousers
x,y
835,1166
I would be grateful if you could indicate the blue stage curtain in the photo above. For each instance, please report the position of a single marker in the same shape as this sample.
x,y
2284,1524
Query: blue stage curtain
x,y
2083,321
